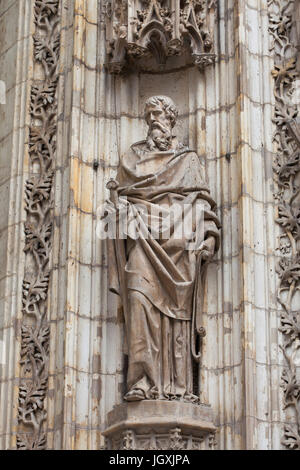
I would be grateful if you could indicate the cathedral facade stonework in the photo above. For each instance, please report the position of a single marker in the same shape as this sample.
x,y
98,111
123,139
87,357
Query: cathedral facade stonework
x,y
119,330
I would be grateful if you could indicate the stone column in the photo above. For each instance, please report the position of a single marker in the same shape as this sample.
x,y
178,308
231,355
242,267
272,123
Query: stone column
x,y
242,365
85,368
259,310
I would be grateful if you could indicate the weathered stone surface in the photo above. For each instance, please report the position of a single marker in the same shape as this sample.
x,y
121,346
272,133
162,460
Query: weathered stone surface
x,y
157,424
226,114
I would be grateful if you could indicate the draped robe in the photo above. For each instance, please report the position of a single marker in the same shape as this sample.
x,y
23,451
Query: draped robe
x,y
163,289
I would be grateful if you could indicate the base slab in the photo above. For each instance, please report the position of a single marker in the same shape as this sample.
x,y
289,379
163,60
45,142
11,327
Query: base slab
x,y
160,425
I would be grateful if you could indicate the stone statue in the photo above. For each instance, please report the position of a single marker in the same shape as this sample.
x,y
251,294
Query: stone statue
x,y
158,275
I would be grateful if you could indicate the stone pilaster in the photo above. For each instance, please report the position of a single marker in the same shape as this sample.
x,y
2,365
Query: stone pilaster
x,y
262,361
16,71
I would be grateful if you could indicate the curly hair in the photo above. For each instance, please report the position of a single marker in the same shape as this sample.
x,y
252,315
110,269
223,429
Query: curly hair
x,y
167,104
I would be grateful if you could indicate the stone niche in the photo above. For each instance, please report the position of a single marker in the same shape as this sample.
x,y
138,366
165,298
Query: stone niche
x,y
162,44
155,34
160,425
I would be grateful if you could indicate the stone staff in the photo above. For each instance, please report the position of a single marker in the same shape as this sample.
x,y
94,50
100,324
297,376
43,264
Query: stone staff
x,y
197,329
113,185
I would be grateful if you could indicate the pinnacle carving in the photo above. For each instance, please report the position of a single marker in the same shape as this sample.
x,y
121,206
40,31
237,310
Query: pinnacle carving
x,y
158,28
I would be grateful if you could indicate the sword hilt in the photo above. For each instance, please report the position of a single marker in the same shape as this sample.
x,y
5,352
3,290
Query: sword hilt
x,y
113,185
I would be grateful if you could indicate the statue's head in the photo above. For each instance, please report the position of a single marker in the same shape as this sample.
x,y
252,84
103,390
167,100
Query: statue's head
x,y
160,114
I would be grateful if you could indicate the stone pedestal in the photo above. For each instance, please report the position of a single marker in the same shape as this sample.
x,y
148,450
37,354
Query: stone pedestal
x,y
160,425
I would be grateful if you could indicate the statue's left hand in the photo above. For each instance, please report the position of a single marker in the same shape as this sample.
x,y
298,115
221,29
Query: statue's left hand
x,y
207,248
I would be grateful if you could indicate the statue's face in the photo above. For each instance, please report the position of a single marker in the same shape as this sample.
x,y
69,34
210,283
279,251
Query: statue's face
x,y
160,127
157,118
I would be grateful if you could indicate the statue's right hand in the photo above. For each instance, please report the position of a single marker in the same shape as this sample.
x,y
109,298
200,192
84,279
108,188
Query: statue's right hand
x,y
112,185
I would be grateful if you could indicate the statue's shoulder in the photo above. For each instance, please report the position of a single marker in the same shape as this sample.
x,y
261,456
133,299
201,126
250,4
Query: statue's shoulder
x,y
191,154
133,155
182,147
139,148
185,149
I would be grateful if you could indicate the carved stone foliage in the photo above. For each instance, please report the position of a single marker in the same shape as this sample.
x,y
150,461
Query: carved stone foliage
x,y
287,176
175,439
38,230
159,28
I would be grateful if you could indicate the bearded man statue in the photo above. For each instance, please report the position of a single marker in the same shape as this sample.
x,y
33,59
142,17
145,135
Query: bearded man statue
x,y
158,274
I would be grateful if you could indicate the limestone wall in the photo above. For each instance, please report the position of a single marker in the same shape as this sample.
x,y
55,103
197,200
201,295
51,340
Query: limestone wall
x,y
225,114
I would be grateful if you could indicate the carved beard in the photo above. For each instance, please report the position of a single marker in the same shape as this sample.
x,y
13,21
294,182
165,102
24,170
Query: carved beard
x,y
159,137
